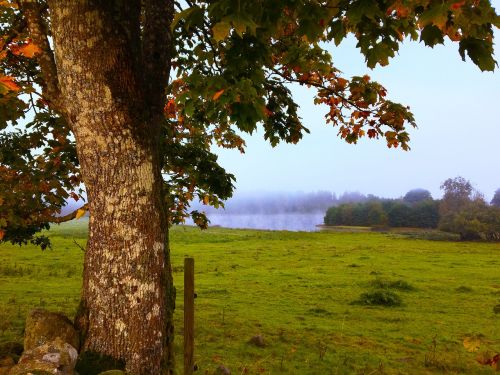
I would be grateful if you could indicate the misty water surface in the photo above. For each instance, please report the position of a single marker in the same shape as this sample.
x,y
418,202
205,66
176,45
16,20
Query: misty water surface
x,y
282,221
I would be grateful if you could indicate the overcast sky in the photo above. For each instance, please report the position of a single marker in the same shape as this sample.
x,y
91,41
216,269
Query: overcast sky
x,y
457,108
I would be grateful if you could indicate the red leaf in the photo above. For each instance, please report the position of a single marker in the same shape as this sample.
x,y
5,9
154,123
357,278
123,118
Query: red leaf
x,y
458,5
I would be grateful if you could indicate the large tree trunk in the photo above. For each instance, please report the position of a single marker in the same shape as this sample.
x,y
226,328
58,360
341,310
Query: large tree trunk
x,y
127,296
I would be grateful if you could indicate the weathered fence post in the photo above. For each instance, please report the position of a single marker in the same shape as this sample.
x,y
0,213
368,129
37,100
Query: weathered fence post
x,y
188,316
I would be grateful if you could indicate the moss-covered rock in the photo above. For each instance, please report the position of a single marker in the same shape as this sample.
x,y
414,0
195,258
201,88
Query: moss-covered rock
x,y
56,357
44,326
6,363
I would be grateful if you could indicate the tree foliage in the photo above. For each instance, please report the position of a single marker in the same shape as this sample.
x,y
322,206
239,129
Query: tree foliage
x,y
465,212
417,195
234,63
385,212
495,201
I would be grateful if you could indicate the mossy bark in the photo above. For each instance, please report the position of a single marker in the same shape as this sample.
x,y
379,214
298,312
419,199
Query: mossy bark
x,y
115,112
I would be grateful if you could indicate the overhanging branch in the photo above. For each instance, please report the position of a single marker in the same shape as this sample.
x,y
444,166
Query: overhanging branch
x,y
70,216
32,12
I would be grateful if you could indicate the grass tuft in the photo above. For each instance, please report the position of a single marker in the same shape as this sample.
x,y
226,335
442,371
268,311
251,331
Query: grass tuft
x,y
380,297
463,289
296,290
381,283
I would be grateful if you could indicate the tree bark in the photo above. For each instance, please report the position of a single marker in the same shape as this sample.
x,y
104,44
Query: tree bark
x,y
127,296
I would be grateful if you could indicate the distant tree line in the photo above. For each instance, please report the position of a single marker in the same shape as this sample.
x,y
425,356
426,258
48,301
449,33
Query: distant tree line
x,y
462,210
417,209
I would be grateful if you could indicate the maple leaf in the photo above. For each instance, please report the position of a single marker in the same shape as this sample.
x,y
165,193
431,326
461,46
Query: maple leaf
x,y
80,213
218,94
8,84
28,49
8,4
74,196
472,344
171,109
221,31
458,4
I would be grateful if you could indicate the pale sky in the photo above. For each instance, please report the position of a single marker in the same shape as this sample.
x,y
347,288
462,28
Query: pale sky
x,y
457,109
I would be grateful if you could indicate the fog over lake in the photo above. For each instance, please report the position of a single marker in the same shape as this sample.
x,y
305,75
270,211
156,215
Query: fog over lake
x,y
294,211
283,221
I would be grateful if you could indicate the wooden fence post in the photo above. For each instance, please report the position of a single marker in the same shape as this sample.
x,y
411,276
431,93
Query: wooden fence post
x,y
188,316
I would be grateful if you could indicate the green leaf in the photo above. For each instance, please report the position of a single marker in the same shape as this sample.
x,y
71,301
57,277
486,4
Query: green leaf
x,y
337,31
436,15
479,51
242,23
185,15
431,35
221,31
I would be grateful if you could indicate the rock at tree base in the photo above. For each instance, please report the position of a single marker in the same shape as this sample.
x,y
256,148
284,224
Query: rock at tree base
x,y
257,340
6,364
56,357
9,354
44,326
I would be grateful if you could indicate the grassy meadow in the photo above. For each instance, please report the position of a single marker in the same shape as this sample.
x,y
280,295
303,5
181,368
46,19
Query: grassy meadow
x,y
305,293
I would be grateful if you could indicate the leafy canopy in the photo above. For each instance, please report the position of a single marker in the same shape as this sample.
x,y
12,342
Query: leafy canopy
x,y
234,62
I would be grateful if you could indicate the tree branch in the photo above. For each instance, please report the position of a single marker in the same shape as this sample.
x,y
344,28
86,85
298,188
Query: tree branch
x,y
32,12
68,217
157,49
319,86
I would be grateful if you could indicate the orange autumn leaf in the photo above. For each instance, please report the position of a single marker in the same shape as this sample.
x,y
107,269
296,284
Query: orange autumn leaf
x,y
27,50
171,109
218,94
80,213
458,5
8,4
205,199
2,234
9,84
472,344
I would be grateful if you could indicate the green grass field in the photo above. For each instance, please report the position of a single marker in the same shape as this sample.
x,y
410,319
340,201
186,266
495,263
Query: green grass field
x,y
298,290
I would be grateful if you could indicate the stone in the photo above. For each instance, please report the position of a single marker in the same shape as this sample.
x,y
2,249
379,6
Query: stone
x,y
44,326
6,363
56,357
222,370
257,340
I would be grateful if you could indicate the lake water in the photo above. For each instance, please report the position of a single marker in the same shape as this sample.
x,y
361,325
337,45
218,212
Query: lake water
x,y
285,221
